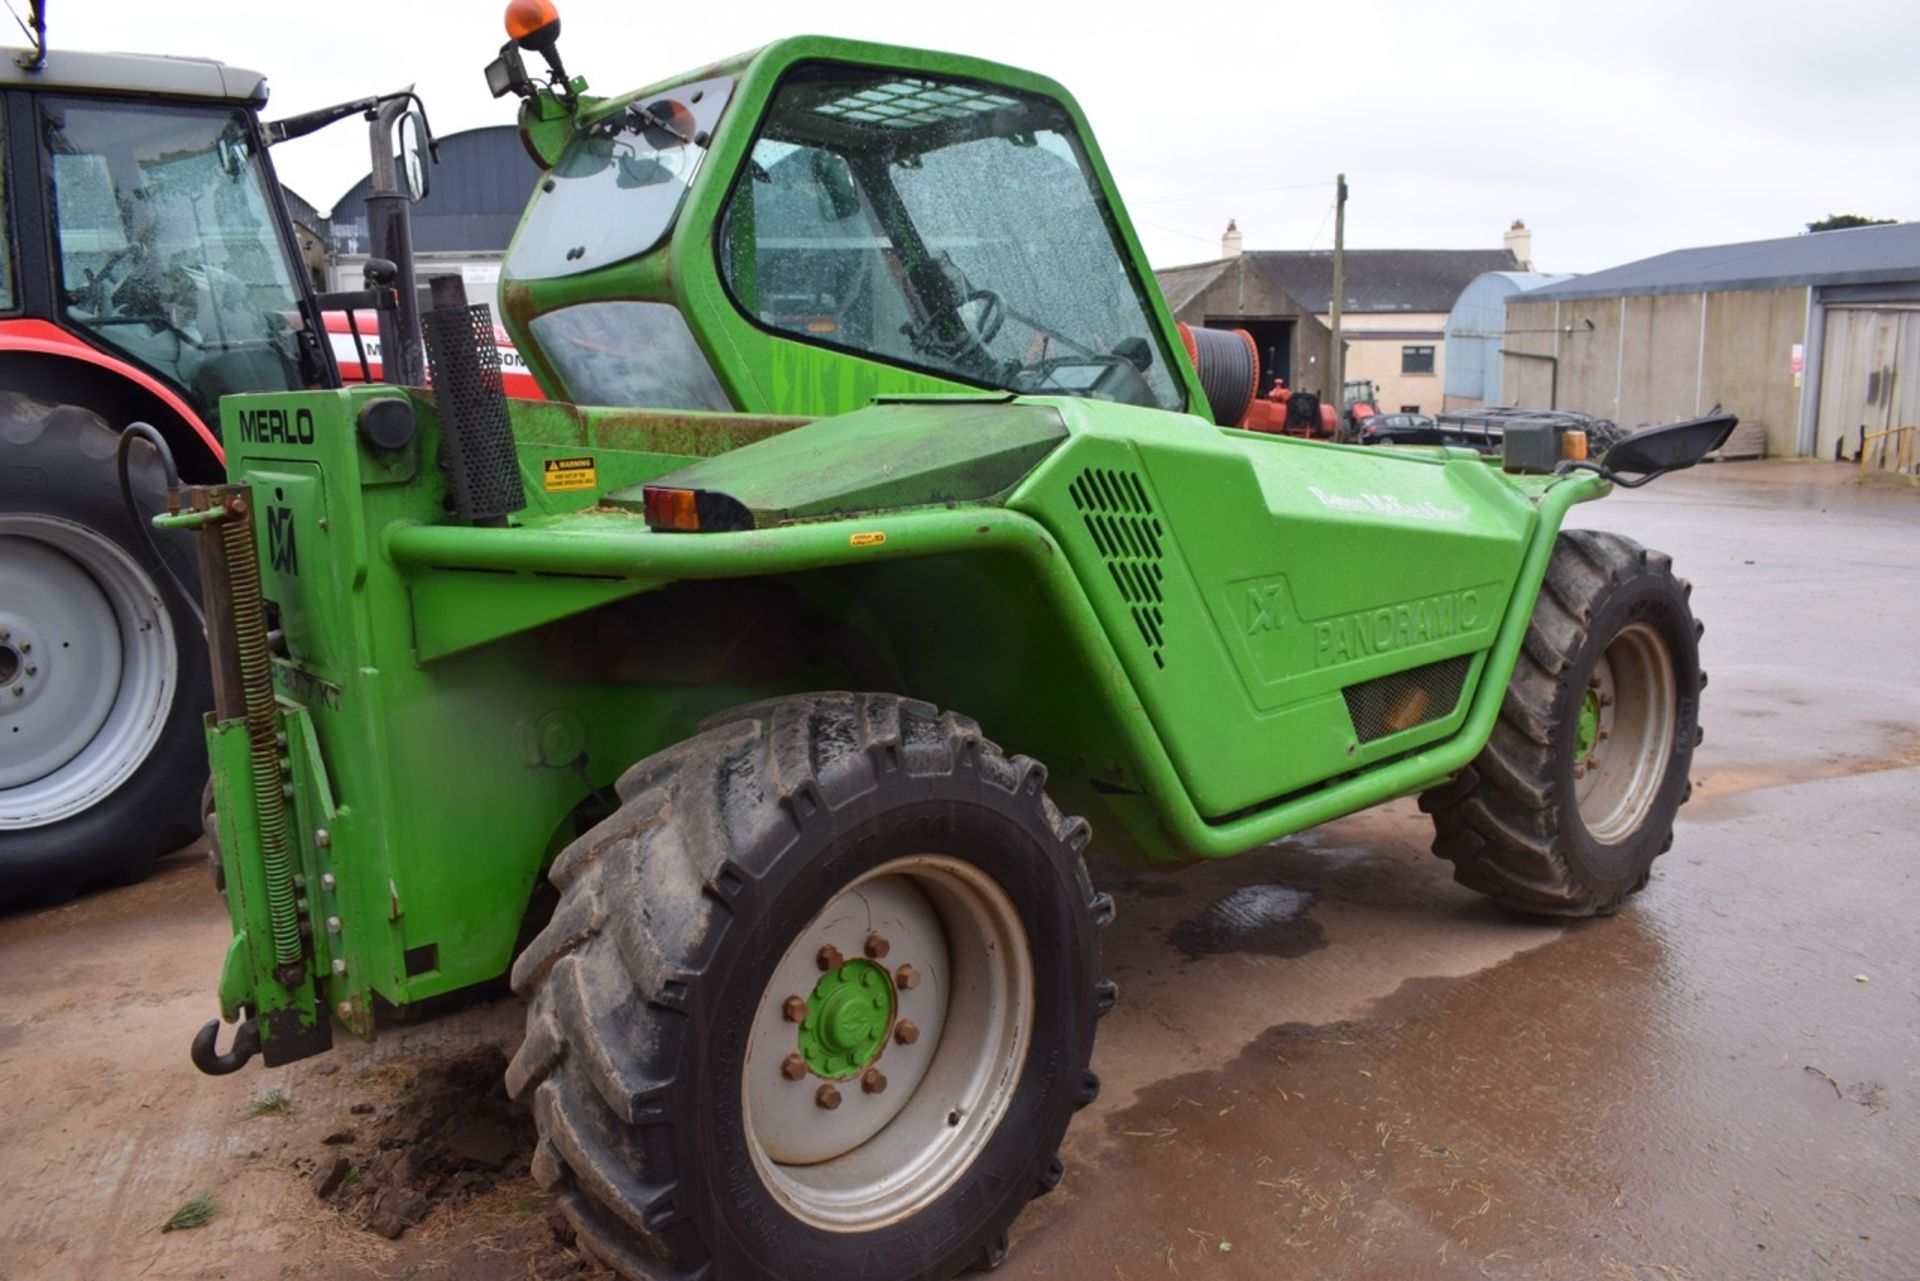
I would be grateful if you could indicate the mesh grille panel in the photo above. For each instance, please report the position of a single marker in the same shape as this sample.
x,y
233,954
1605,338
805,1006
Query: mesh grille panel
x,y
476,435
905,104
1127,535
1402,700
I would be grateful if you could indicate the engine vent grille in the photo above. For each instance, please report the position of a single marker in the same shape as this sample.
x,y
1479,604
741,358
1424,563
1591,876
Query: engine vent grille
x,y
1127,534
1402,700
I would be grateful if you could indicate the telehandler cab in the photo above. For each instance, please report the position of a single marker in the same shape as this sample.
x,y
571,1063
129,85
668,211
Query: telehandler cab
x,y
691,717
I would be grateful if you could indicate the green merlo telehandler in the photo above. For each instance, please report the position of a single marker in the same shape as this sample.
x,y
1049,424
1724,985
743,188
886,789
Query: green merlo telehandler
x,y
691,717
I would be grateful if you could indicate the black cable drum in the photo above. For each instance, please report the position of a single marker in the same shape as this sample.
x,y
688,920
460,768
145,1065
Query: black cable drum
x,y
1229,372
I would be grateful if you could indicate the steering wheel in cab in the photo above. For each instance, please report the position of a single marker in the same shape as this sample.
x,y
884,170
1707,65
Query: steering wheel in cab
x,y
973,319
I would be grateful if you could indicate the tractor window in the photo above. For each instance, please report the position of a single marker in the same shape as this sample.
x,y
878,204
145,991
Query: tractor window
x,y
639,354
945,226
169,247
619,184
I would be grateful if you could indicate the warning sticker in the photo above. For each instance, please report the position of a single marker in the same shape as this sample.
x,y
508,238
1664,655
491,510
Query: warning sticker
x,y
873,539
568,473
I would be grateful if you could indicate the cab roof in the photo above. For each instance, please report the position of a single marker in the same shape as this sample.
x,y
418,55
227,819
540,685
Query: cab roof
x,y
68,70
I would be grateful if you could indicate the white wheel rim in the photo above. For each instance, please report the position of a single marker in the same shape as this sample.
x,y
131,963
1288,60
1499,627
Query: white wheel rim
x,y
1616,784
878,1158
90,653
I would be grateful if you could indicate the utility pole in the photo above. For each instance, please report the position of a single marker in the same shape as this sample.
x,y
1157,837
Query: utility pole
x,y
1336,362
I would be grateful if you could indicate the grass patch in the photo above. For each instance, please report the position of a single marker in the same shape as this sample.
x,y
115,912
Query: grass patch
x,y
194,1214
272,1103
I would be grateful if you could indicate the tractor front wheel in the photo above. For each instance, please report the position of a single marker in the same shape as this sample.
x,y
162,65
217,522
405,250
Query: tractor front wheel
x,y
817,999
1574,795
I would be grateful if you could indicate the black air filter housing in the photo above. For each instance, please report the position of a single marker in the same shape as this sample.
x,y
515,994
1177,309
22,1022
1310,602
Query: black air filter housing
x,y
476,434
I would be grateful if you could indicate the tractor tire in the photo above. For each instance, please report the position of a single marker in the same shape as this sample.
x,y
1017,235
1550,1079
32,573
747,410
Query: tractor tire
x,y
103,669
1574,795
811,896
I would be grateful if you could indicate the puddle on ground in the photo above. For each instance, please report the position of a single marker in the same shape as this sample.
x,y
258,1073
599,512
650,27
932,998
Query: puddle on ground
x,y
1269,919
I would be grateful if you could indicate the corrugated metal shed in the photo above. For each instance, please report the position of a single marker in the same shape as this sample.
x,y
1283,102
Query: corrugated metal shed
x,y
1856,256
1476,328
478,191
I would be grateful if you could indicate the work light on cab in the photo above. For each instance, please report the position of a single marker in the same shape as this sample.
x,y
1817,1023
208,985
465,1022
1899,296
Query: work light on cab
x,y
532,25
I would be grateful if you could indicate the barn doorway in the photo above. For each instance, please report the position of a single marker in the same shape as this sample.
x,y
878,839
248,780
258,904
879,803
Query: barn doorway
x,y
1273,339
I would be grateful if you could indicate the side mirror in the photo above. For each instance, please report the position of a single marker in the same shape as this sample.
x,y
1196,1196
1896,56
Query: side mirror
x,y
1671,447
833,181
233,157
415,151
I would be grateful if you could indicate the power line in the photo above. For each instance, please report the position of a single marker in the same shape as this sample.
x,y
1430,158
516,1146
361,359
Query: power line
x,y
1222,195
1175,231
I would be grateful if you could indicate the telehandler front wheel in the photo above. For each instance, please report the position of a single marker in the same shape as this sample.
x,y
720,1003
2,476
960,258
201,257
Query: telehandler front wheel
x,y
1573,797
818,999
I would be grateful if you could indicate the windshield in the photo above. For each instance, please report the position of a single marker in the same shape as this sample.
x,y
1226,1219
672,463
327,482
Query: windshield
x,y
619,184
947,226
169,246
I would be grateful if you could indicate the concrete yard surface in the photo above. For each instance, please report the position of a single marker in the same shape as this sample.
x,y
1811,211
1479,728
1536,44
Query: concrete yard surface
x,y
1328,1061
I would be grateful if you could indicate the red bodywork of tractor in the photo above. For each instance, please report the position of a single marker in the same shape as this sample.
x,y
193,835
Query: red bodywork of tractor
x,y
514,378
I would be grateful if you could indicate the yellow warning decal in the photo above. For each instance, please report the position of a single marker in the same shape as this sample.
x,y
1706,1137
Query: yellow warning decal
x,y
568,473
873,539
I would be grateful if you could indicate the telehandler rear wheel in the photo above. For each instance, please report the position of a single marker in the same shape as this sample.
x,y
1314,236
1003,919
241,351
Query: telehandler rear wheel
x,y
1573,797
818,999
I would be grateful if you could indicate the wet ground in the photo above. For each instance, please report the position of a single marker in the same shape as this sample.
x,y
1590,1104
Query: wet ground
x,y
1329,1060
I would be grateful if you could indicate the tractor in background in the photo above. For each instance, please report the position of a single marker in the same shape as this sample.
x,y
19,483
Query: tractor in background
x,y
149,270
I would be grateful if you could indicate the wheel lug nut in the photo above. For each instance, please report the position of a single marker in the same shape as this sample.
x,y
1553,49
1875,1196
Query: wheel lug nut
x,y
827,1097
794,1009
830,957
906,1031
873,1080
793,1067
31,669
877,946
907,977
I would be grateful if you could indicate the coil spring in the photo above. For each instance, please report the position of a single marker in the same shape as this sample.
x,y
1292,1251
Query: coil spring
x,y
256,684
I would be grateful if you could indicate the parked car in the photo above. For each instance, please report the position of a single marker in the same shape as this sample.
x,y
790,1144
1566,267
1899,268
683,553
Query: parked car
x,y
1403,429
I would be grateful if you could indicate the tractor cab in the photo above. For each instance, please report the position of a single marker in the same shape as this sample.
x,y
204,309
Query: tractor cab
x,y
148,180
822,220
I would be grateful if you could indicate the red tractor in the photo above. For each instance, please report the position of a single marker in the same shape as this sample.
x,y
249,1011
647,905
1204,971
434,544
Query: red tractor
x,y
148,268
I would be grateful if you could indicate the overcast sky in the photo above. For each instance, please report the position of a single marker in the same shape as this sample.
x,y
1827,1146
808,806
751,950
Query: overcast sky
x,y
1617,130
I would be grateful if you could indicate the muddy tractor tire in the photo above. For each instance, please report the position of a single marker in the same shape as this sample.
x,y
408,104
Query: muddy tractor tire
x,y
818,999
103,669
1574,796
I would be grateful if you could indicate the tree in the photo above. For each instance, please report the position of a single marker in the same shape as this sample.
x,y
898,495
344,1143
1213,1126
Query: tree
x,y
1837,222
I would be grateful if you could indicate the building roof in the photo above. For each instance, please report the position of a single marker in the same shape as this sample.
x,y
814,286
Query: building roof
x,y
302,211
1377,280
474,198
1855,256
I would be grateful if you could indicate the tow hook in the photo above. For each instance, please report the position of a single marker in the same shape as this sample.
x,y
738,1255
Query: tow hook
x,y
246,1044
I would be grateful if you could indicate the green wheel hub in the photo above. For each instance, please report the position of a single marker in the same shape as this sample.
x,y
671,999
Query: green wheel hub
x,y
848,1017
1588,731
